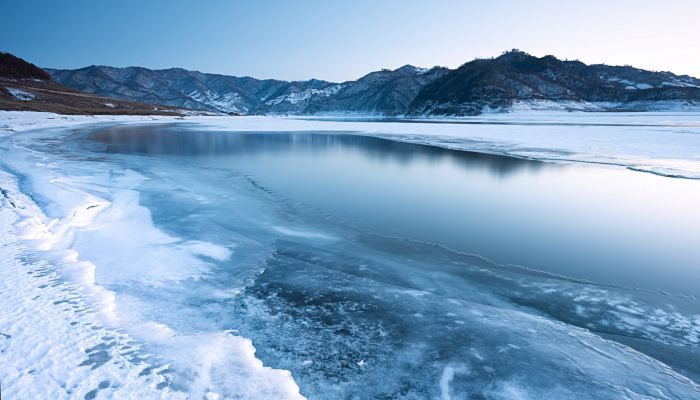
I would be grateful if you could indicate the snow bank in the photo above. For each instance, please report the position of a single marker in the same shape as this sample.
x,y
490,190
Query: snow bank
x,y
54,344
19,121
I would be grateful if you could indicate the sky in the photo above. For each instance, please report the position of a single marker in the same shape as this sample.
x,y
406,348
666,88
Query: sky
x,y
343,40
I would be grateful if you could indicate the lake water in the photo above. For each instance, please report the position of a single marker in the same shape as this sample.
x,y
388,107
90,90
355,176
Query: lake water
x,y
372,268
605,224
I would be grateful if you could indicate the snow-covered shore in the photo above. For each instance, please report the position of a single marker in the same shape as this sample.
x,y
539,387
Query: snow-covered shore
x,y
61,334
20,121
49,325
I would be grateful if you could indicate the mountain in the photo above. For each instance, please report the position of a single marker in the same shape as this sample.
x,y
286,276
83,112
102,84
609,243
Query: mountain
x,y
181,88
517,79
513,81
384,92
26,87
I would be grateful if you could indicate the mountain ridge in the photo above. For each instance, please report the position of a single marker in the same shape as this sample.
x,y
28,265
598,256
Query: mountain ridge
x,y
512,81
26,87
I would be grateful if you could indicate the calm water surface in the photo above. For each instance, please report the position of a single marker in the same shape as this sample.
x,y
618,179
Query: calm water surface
x,y
599,223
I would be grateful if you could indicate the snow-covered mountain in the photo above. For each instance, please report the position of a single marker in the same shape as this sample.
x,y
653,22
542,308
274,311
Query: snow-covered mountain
x,y
513,81
180,88
517,80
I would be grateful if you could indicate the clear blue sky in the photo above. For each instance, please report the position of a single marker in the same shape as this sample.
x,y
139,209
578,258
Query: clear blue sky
x,y
341,40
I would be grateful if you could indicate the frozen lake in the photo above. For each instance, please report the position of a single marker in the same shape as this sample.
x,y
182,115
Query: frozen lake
x,y
371,268
605,224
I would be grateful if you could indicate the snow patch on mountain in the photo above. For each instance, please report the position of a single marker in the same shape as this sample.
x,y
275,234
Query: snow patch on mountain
x,y
297,97
521,106
20,94
670,81
553,105
230,102
679,83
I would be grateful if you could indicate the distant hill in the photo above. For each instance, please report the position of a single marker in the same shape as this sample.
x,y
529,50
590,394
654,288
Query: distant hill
x,y
385,92
517,79
378,93
25,87
181,88
513,81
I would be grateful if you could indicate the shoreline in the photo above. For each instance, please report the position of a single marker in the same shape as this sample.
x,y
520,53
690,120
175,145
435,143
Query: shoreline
x,y
662,145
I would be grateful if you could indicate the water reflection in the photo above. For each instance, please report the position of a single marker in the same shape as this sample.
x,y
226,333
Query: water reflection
x,y
605,224
174,140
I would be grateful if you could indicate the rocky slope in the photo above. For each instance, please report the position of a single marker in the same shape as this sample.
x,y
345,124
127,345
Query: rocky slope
x,y
25,87
513,81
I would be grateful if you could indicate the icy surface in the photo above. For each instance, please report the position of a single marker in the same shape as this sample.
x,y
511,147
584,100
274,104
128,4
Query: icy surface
x,y
662,143
94,246
19,121
665,143
158,277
